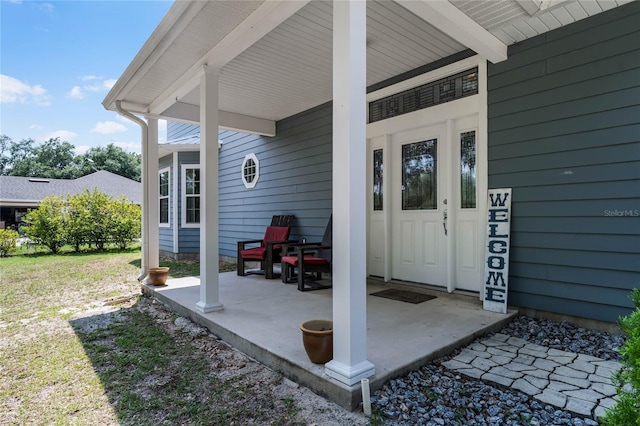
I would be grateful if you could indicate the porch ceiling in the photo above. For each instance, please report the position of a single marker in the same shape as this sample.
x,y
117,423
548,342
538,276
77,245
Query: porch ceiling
x,y
275,57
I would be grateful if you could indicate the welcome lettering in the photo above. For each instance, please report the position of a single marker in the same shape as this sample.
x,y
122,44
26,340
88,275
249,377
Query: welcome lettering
x,y
497,253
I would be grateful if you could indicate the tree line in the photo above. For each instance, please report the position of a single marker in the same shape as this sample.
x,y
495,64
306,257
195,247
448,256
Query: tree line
x,y
56,159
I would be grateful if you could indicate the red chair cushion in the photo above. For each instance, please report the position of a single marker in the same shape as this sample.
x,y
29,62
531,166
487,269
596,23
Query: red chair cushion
x,y
308,260
255,253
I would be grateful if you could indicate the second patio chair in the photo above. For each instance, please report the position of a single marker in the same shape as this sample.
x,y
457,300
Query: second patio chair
x,y
310,259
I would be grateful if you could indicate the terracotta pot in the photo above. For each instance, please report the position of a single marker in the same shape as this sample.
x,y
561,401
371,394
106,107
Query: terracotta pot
x,y
317,338
158,276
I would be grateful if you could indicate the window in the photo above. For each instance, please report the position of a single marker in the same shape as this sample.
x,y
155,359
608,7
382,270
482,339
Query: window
x,y
419,175
377,179
468,170
163,181
190,195
250,171
447,89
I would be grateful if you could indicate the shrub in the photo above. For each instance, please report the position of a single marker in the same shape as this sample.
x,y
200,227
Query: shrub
x,y
627,380
47,223
90,218
8,239
125,222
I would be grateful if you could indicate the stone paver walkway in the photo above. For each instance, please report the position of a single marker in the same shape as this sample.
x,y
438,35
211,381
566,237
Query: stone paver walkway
x,y
574,382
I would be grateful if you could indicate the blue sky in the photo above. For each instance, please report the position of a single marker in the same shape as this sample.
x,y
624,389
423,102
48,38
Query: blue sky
x,y
58,60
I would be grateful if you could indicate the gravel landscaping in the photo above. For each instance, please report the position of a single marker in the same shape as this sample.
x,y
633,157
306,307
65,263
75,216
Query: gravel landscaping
x,y
434,395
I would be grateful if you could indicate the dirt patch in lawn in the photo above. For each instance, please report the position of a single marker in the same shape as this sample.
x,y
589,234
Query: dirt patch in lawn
x,y
154,367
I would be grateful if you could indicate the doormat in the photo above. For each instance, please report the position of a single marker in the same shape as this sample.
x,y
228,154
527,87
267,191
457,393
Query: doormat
x,y
404,296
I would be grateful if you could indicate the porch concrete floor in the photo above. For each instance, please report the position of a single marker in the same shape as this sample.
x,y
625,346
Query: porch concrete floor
x,y
261,318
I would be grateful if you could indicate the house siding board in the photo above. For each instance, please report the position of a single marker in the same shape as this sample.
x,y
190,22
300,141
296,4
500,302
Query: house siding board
x,y
590,71
568,306
564,133
295,178
177,130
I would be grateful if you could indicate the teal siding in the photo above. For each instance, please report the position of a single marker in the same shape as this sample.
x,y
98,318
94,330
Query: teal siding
x,y
564,133
295,178
177,130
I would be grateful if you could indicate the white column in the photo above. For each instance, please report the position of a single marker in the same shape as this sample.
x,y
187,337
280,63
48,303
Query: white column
x,y
209,257
349,364
154,193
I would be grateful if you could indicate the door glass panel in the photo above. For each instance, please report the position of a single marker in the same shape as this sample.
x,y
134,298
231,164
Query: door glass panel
x,y
419,176
468,170
377,179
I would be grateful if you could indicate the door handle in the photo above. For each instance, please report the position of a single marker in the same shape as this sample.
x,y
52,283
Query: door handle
x,y
444,221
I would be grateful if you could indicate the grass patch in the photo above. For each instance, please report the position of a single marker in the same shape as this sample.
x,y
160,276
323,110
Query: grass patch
x,y
68,358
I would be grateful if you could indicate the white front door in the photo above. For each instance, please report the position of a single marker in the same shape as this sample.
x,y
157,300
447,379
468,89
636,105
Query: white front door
x,y
419,204
426,212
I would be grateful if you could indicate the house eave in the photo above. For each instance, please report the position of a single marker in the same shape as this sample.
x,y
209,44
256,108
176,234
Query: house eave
x,y
177,18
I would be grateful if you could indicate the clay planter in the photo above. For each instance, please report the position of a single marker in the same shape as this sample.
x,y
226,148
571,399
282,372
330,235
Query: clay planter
x,y
317,338
158,276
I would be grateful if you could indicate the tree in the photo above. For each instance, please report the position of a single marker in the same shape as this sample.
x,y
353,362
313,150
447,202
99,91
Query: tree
x,y
12,152
54,159
5,152
111,158
47,223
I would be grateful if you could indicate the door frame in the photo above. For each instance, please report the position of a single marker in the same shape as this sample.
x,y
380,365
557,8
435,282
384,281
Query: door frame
x,y
448,113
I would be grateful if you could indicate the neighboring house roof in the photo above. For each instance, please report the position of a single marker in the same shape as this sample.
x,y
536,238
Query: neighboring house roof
x,y
17,190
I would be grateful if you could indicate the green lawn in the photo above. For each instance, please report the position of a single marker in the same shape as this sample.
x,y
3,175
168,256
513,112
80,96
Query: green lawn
x,y
67,357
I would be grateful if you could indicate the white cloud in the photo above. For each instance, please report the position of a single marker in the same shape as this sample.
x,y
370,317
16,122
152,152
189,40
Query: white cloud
x,y
109,83
108,127
64,135
36,127
94,83
13,90
129,146
75,93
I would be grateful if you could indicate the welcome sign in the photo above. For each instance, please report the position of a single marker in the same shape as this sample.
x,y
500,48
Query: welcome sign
x,y
496,275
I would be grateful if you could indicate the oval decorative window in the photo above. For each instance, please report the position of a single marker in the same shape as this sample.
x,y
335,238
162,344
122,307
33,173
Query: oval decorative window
x,y
250,171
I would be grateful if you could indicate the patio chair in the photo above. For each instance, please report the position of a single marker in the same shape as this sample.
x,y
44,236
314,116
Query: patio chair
x,y
268,252
310,260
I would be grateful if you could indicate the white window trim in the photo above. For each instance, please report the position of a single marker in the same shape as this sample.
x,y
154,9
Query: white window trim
x,y
252,184
183,197
168,197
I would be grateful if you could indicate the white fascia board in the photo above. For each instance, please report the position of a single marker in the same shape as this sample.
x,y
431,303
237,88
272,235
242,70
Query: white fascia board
x,y
187,113
261,22
455,24
20,203
175,21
